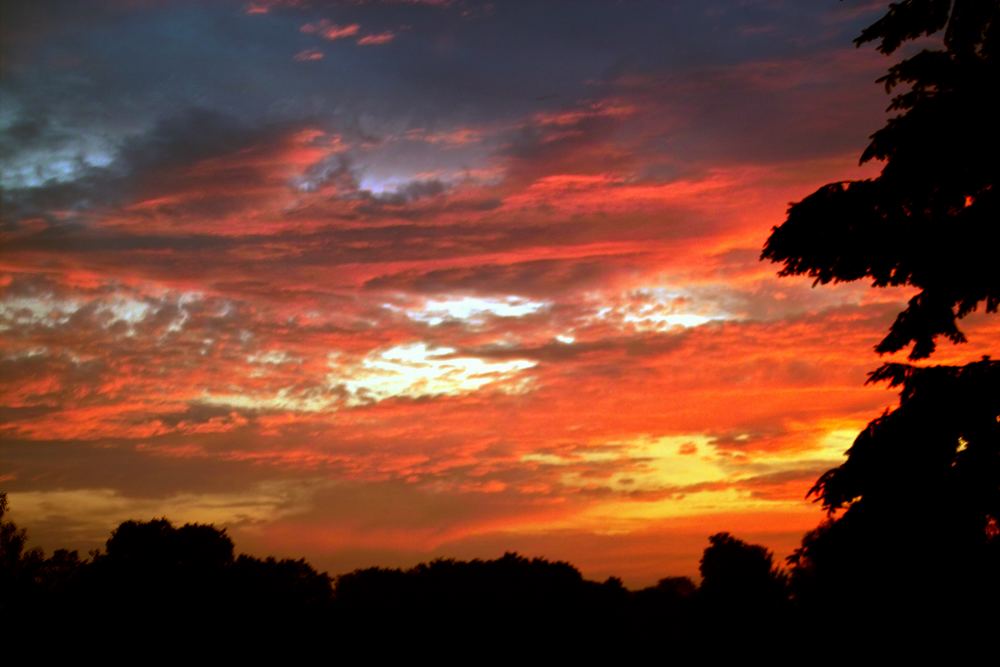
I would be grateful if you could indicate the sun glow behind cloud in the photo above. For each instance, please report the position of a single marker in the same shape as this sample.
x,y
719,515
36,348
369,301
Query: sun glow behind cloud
x,y
412,370
415,370
471,310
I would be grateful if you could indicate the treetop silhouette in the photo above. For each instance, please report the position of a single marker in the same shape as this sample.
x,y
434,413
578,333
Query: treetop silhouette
x,y
741,574
931,219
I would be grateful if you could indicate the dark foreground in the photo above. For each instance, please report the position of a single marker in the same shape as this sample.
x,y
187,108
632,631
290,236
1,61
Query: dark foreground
x,y
157,584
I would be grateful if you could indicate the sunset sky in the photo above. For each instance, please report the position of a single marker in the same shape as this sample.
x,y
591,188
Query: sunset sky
x,y
375,282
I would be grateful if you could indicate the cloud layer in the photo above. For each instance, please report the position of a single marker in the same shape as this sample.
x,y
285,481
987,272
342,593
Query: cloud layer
x,y
371,282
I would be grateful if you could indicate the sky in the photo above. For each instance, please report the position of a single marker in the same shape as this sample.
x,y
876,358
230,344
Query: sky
x,y
373,282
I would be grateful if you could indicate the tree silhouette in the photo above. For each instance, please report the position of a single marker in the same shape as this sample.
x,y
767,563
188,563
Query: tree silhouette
x,y
12,538
920,489
30,583
742,596
954,411
931,219
740,577
19,566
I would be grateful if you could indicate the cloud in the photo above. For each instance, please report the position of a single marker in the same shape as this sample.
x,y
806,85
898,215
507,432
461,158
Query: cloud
x,y
533,277
265,6
376,39
309,55
330,31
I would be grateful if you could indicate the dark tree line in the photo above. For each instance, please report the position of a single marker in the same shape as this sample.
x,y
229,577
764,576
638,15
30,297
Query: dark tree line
x,y
182,579
155,572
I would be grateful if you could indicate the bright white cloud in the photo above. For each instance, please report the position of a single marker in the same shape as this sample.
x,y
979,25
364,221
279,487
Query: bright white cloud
x,y
415,370
472,309
657,309
46,311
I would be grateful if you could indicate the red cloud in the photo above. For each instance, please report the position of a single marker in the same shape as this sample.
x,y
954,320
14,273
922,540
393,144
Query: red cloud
x,y
309,55
330,31
376,39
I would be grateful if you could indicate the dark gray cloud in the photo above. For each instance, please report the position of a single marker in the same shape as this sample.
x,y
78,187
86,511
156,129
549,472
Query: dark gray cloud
x,y
145,163
109,70
530,278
